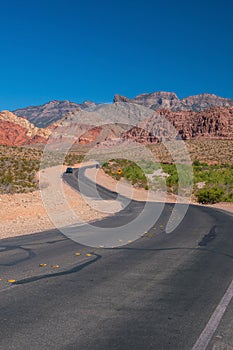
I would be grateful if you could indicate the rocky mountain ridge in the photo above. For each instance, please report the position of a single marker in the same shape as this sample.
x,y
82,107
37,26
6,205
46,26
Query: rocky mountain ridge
x,y
50,112
123,120
169,100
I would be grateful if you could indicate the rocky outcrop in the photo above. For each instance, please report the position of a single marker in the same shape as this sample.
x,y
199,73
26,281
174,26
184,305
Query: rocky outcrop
x,y
90,136
144,120
140,135
99,134
154,100
16,131
205,101
214,123
162,125
48,113
169,100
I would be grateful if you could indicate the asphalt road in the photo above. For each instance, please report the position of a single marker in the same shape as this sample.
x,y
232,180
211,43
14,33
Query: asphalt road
x,y
155,293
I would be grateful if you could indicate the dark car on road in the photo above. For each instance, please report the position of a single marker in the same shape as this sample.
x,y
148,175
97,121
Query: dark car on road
x,y
69,170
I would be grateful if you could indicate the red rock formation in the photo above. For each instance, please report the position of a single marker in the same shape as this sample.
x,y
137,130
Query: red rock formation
x,y
15,131
214,123
90,136
140,135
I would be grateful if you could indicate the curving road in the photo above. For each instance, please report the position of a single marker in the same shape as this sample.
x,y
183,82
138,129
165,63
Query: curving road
x,y
159,292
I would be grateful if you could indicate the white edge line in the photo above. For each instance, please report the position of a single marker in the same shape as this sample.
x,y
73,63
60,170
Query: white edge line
x,y
209,330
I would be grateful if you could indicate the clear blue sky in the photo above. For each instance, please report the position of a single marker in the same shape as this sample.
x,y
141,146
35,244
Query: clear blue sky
x,y
91,50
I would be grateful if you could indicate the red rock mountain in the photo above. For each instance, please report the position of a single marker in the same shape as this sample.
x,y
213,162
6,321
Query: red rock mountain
x,y
214,123
15,131
84,134
120,121
44,115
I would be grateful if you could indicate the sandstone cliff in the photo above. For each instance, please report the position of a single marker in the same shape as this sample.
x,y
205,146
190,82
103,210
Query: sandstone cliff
x,y
15,131
214,123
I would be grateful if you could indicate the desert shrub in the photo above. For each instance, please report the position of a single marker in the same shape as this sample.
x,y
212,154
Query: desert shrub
x,y
73,158
196,162
210,195
18,167
118,168
217,179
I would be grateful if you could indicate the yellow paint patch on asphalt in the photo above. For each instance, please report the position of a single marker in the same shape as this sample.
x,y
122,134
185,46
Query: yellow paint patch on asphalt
x,y
88,254
149,235
11,281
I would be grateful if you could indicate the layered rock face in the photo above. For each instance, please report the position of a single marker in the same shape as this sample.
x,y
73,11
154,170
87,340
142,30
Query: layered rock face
x,y
90,136
123,120
154,100
140,135
15,131
169,100
214,123
205,101
48,113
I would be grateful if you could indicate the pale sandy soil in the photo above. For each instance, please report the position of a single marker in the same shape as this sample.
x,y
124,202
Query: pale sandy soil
x,y
27,213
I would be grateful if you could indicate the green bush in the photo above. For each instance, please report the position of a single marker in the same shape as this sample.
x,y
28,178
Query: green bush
x,y
217,179
130,171
210,195
196,162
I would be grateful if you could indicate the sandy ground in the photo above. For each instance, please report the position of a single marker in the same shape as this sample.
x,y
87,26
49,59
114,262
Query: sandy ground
x,y
61,205
28,213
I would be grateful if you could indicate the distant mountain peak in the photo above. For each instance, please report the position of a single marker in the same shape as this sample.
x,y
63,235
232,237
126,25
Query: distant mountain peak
x,y
50,112
169,100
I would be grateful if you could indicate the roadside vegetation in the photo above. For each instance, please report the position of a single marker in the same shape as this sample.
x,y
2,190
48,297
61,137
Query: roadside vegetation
x,y
212,168
212,183
18,168
73,158
216,182
123,168
20,165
